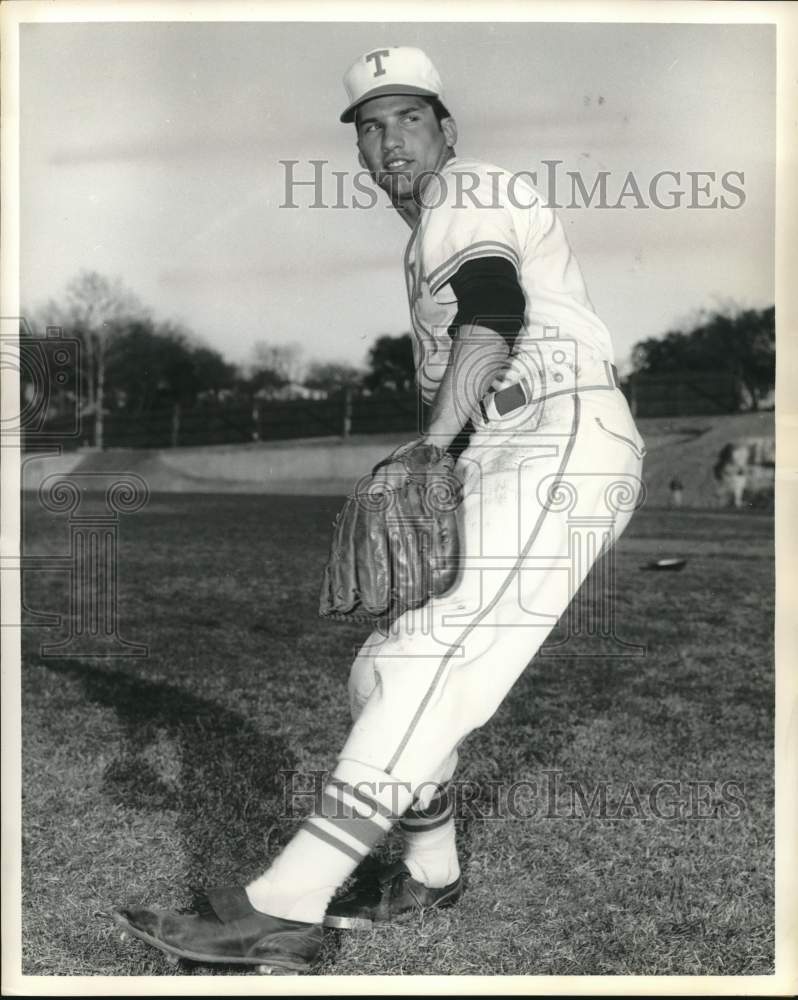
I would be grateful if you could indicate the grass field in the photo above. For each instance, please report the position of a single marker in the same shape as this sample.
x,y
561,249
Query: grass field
x,y
145,778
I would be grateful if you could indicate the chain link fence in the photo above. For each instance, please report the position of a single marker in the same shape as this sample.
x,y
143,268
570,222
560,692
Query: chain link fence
x,y
236,421
243,422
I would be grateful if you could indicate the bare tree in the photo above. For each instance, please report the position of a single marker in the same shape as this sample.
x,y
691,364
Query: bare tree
x,y
332,376
96,307
284,360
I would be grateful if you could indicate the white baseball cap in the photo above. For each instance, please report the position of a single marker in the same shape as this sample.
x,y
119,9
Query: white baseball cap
x,y
399,70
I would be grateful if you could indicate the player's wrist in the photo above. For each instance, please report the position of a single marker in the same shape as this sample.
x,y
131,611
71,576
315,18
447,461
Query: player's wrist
x,y
436,441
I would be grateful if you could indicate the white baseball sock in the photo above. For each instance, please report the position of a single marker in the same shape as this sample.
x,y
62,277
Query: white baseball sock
x,y
430,849
359,806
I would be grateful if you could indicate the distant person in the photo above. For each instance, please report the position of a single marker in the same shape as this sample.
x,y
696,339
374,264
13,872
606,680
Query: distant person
x,y
677,492
739,480
731,472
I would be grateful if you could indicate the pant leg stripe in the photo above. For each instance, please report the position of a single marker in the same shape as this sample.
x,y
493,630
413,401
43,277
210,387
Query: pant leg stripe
x,y
489,607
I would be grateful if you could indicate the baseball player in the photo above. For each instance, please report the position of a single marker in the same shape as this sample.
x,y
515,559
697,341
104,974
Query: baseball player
x,y
512,359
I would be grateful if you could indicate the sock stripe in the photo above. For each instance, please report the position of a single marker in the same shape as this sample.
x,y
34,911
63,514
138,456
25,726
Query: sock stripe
x,y
430,851
335,808
439,805
358,827
332,841
421,826
337,802
372,804
444,809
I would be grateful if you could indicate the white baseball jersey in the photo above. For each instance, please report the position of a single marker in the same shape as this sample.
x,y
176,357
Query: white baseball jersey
x,y
542,498
473,210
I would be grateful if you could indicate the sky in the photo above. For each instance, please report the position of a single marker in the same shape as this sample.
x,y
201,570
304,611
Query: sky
x,y
152,153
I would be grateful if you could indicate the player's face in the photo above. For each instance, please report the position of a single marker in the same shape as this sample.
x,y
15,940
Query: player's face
x,y
402,143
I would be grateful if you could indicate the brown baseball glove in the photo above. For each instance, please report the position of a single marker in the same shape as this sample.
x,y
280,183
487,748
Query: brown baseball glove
x,y
395,540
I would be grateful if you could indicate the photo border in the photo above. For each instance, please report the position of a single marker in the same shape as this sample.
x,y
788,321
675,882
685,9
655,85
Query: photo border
x,y
785,17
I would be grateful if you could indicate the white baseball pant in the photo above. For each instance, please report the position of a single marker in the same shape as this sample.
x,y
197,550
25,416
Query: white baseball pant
x,y
546,492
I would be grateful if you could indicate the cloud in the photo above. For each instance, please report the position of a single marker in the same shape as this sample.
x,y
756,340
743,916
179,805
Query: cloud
x,y
264,138
158,148
286,270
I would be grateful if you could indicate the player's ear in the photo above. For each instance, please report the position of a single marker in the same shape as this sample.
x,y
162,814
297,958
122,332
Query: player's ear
x,y
449,129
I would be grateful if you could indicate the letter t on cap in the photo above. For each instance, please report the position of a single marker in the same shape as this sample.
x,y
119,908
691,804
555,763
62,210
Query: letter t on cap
x,y
376,58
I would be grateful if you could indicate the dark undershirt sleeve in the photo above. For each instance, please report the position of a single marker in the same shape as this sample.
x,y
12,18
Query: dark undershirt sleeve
x,y
488,294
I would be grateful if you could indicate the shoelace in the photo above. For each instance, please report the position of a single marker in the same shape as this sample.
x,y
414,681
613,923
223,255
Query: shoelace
x,y
200,905
397,883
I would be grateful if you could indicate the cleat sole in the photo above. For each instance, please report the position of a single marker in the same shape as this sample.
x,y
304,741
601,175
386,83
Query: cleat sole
x,y
349,923
278,965
274,970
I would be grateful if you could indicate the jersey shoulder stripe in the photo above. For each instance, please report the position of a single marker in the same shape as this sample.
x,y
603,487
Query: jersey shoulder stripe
x,y
483,248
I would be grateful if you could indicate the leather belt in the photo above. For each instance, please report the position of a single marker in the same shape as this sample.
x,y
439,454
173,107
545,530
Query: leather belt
x,y
522,393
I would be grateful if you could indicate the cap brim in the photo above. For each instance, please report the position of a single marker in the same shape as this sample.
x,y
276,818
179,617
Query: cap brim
x,y
384,91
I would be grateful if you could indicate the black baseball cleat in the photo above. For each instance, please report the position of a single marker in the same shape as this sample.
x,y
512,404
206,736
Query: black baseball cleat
x,y
224,928
388,894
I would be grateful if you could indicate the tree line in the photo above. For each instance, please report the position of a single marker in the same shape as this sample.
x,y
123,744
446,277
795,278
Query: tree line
x,y
131,364
737,346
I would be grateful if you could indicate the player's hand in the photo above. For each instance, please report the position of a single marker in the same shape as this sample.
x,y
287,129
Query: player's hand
x,y
392,472
390,476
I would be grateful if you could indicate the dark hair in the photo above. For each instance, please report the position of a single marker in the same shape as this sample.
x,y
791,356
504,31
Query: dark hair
x,y
439,109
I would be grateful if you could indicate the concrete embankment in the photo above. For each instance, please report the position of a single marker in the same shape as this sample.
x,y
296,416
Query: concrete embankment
x,y
685,447
327,465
